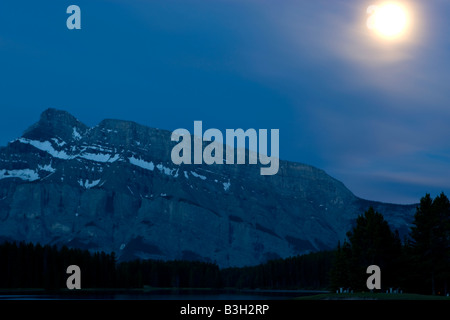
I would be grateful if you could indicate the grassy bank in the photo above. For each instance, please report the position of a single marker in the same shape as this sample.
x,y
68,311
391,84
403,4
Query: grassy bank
x,y
372,296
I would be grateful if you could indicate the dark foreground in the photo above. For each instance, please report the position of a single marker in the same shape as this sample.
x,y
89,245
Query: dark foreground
x,y
223,309
155,294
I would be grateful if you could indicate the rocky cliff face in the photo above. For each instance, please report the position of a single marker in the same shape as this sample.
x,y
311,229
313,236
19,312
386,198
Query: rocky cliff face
x,y
113,187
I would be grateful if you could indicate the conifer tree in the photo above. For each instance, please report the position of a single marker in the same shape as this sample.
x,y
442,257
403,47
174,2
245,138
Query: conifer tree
x,y
430,241
373,243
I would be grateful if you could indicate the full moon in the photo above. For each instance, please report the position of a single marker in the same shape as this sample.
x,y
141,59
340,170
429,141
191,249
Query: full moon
x,y
389,20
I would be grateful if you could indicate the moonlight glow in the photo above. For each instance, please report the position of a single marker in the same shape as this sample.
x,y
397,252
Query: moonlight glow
x,y
389,20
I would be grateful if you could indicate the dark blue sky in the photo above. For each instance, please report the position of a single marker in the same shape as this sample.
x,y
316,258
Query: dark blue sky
x,y
372,113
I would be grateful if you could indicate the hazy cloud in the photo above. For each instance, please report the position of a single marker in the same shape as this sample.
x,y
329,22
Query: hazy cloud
x,y
370,102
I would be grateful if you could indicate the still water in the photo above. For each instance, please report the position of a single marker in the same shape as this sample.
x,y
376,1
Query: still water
x,y
168,295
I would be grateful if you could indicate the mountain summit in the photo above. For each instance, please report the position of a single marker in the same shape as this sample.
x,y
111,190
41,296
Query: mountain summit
x,y
55,123
113,187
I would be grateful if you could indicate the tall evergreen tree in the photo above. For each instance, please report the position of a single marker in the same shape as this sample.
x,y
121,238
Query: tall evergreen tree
x,y
430,241
373,243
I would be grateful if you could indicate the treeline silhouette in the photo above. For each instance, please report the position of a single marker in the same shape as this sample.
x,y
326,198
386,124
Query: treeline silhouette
x,y
168,274
25,265
309,271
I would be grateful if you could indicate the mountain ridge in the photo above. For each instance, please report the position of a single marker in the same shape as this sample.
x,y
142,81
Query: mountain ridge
x,y
113,187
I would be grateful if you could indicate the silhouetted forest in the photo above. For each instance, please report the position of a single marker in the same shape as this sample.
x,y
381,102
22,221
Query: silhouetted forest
x,y
168,274
310,271
420,263
24,265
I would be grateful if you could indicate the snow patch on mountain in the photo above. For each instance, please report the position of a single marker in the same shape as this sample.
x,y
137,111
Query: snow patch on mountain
x,y
142,163
24,174
86,184
99,148
195,174
47,167
58,143
75,134
167,171
61,154
226,185
47,147
151,166
100,157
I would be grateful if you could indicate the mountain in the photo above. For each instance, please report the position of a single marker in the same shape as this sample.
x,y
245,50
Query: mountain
x,y
113,187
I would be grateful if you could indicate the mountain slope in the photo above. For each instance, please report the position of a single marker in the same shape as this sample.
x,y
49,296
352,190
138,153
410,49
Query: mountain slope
x,y
113,187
